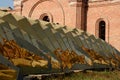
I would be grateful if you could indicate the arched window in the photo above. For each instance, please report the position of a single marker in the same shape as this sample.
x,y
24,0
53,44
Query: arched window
x,y
102,28
46,18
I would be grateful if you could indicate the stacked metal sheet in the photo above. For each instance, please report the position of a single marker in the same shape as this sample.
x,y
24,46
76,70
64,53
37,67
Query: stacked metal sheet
x,y
58,43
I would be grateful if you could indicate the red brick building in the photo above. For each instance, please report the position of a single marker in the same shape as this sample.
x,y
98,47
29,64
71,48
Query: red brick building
x,y
98,17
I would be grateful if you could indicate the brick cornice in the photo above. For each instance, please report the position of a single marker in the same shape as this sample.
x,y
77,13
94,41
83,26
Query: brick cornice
x,y
103,3
74,4
75,0
24,1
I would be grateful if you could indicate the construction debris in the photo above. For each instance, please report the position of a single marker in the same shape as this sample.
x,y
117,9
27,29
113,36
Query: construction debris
x,y
6,73
20,56
69,58
37,47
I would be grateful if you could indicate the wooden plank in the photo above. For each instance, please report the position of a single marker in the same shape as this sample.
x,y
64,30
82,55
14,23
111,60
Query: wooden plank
x,y
8,31
42,36
2,34
52,38
26,36
18,32
64,38
60,40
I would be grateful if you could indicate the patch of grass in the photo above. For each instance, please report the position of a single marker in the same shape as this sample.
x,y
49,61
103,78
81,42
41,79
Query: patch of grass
x,y
115,75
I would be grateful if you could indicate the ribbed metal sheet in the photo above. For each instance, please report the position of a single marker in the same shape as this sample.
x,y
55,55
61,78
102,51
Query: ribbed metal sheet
x,y
43,37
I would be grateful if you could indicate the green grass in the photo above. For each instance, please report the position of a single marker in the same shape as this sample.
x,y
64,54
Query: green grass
x,y
115,75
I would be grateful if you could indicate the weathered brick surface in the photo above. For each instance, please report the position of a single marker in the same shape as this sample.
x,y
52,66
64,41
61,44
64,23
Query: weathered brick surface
x,y
110,14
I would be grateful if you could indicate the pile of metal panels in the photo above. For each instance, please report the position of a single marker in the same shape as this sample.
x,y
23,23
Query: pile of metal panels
x,y
73,49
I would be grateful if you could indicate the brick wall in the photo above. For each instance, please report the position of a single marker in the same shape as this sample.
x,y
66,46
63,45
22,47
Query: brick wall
x,y
61,11
110,13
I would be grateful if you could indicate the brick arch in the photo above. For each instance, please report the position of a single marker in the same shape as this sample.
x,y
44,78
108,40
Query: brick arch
x,y
35,5
107,28
40,1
